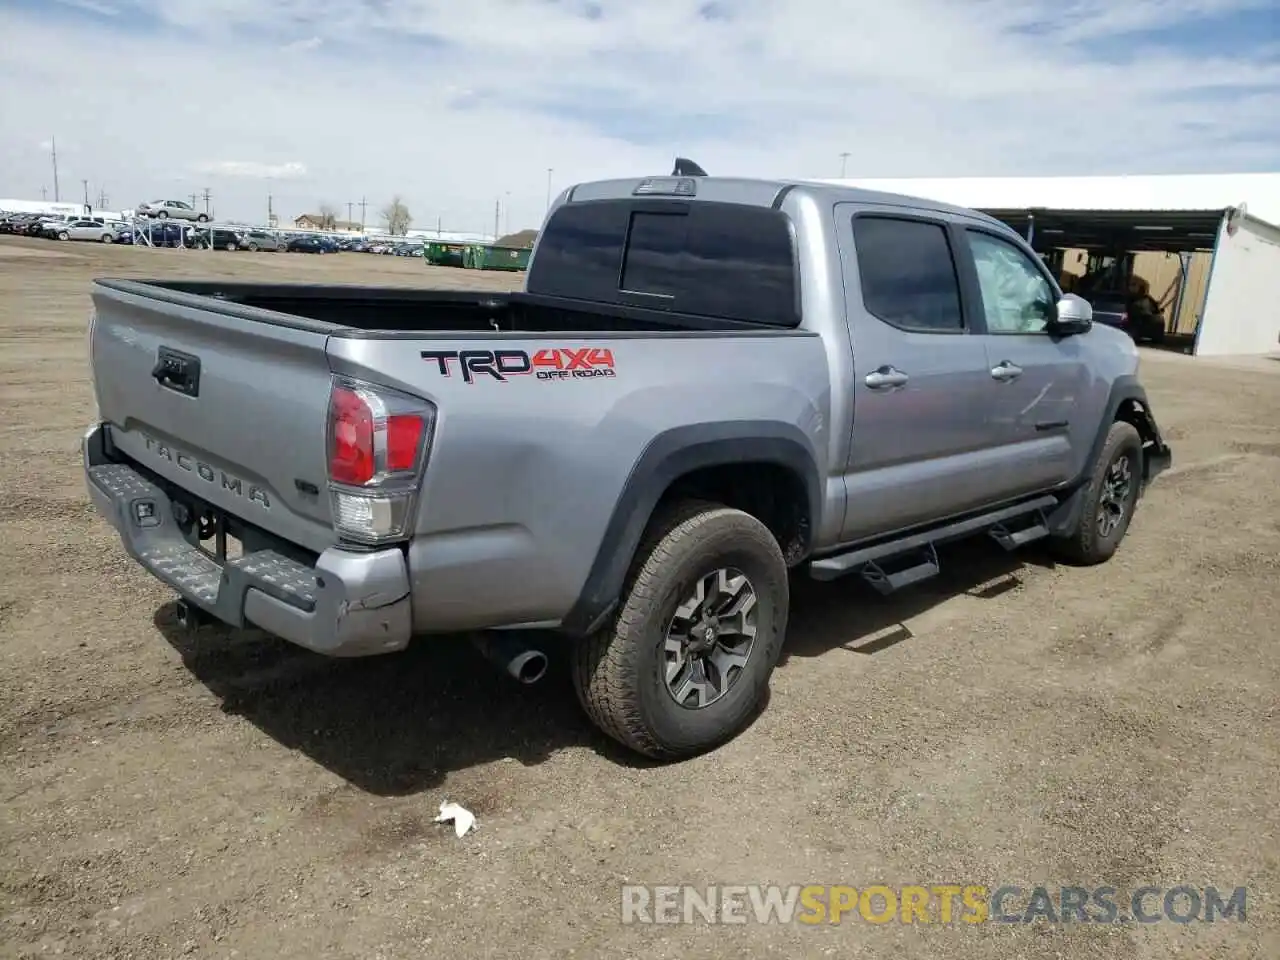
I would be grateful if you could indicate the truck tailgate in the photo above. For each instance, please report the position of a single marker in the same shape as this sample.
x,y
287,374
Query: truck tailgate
x,y
228,406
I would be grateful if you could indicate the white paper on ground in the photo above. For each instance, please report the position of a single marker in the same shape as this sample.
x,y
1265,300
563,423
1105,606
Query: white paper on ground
x,y
463,819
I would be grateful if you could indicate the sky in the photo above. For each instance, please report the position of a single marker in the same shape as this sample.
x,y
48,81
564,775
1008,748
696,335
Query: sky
x,y
460,106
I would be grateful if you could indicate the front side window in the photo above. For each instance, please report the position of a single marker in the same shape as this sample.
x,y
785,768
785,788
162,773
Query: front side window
x,y
1016,296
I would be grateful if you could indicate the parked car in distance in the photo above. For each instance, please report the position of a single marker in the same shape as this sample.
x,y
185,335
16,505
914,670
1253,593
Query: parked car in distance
x,y
216,238
99,230
254,240
306,244
171,210
156,233
897,373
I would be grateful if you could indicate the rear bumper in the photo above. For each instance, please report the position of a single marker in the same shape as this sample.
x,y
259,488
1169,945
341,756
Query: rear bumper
x,y
348,604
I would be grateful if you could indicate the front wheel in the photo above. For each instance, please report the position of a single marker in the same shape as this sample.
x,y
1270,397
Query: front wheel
x,y
108,238
64,235
1110,499
687,660
202,218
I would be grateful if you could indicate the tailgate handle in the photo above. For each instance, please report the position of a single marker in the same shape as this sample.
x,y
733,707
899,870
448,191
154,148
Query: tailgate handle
x,y
177,371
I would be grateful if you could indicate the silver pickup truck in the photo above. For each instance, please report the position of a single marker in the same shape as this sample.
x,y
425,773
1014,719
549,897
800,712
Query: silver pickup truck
x,y
706,383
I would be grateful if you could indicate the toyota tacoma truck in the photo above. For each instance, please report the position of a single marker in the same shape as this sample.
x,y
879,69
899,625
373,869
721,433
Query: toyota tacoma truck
x,y
705,384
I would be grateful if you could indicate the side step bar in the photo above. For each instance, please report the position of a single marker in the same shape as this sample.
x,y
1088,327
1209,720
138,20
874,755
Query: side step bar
x,y
895,564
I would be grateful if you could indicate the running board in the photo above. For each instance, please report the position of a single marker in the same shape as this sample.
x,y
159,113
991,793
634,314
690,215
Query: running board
x,y
868,559
1037,529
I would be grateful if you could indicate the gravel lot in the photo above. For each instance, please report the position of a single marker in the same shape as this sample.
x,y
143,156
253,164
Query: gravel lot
x,y
224,795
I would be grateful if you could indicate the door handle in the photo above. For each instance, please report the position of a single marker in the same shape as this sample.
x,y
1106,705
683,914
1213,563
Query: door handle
x,y
885,377
1005,370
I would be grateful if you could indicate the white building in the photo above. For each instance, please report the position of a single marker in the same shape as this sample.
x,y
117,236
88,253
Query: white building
x,y
1234,217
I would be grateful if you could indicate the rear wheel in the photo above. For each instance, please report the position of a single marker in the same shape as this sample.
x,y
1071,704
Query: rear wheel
x,y
163,215
63,235
202,218
108,238
687,660
1110,498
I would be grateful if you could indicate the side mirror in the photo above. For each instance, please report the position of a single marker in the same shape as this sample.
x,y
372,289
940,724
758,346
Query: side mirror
x,y
1072,315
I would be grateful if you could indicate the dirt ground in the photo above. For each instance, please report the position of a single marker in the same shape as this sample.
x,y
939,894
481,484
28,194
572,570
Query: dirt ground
x,y
224,795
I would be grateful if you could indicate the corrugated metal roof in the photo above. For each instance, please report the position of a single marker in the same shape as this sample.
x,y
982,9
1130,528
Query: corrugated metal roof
x,y
1260,192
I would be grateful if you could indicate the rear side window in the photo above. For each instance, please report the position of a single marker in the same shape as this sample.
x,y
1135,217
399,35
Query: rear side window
x,y
908,274
726,261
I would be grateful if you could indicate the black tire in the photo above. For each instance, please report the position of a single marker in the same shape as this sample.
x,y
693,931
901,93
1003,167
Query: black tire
x,y
202,218
1091,542
619,673
163,215
252,248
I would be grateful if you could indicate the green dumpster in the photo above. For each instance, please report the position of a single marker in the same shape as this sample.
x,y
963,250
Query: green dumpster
x,y
441,254
488,257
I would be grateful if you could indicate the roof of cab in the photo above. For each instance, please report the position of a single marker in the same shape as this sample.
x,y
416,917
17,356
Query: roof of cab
x,y
766,193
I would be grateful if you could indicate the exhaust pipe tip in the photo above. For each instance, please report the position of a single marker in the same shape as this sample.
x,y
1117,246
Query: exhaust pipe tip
x,y
513,656
189,616
528,667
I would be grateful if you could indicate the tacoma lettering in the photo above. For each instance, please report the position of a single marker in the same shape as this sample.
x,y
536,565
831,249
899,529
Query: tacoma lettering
x,y
207,473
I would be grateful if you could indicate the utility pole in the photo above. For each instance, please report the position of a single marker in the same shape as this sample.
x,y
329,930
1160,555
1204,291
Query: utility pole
x,y
363,203
349,206
85,184
102,198
271,214
549,171
844,157
53,150
439,225
206,196
193,198
44,193
497,217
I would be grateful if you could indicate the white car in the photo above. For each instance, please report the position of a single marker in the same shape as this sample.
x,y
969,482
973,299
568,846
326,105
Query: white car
x,y
171,209
100,230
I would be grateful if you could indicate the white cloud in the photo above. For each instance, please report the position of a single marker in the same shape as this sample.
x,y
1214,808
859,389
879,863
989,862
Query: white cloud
x,y
301,46
455,107
251,170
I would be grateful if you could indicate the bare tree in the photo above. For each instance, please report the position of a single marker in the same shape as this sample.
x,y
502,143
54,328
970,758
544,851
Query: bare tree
x,y
328,217
397,217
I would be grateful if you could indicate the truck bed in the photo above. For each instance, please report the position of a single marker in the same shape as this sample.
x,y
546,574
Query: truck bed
x,y
335,309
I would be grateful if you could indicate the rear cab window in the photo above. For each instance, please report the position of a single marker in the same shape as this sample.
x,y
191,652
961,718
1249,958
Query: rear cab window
x,y
721,261
908,273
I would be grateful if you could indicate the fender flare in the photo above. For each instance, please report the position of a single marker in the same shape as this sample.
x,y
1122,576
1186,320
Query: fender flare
x,y
669,456
1156,456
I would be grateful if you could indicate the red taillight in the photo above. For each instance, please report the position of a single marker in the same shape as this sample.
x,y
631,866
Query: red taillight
x,y
351,454
376,436
404,436
378,445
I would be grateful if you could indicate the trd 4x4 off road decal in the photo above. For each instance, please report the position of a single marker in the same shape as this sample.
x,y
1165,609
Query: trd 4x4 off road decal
x,y
559,363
